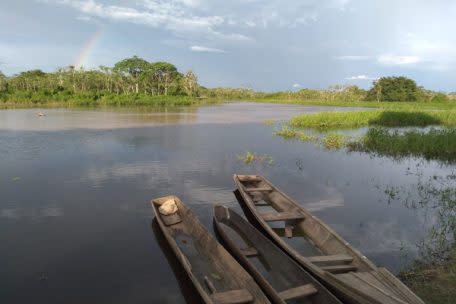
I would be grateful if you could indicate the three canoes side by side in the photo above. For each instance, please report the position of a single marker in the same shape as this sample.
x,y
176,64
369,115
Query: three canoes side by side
x,y
280,277
216,275
342,268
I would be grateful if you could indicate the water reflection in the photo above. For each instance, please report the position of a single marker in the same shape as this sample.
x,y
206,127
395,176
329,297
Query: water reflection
x,y
435,197
114,118
75,200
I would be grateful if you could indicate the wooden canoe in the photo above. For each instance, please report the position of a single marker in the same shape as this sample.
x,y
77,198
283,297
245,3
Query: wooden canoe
x,y
342,268
280,277
216,275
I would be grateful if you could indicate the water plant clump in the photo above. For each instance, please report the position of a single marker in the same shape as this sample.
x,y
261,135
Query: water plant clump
x,y
335,141
252,157
288,133
269,122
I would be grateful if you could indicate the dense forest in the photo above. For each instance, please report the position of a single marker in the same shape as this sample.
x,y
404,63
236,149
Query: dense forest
x,y
129,80
137,81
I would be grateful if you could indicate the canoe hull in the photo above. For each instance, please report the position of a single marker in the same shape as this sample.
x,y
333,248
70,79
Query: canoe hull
x,y
209,262
354,279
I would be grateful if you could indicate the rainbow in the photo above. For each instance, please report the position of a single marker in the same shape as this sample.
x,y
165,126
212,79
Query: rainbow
x,y
86,50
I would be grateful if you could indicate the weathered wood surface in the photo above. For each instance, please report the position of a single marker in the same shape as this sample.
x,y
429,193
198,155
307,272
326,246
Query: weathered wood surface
x,y
298,292
285,279
281,216
212,257
329,259
338,260
239,296
259,189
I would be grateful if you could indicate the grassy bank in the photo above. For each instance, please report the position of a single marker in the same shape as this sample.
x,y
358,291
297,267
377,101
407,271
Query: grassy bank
x,y
364,104
434,283
374,118
93,100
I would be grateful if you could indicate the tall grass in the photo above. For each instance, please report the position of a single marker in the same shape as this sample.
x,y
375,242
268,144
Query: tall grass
x,y
374,118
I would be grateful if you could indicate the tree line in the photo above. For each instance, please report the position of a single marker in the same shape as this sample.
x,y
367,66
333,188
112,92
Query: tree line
x,y
130,76
135,80
385,89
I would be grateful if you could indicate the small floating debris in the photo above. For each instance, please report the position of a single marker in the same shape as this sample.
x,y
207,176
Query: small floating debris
x,y
41,114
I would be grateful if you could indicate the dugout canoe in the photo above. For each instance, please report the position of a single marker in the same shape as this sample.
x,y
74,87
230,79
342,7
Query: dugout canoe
x,y
216,275
280,277
350,275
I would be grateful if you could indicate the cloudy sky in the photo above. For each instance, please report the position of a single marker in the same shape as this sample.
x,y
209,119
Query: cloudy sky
x,y
265,45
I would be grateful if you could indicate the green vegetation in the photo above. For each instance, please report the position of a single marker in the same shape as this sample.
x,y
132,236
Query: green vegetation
x,y
433,275
132,81
386,92
251,157
269,122
433,145
135,81
288,133
335,141
331,141
357,119
434,283
394,89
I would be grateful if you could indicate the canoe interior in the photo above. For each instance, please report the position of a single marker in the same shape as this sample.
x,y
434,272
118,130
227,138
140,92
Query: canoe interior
x,y
318,248
188,291
214,272
301,230
282,279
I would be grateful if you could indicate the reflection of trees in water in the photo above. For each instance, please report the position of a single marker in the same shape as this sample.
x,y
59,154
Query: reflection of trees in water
x,y
436,196
433,144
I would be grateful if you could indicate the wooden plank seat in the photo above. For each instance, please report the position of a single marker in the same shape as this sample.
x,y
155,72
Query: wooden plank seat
x,y
249,251
258,189
238,296
339,268
281,216
298,292
331,259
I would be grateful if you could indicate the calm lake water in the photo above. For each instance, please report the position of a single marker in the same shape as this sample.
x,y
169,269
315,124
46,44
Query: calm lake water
x,y
75,220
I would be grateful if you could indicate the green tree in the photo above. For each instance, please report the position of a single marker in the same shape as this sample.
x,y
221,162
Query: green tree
x,y
394,89
163,75
132,67
440,97
190,83
3,82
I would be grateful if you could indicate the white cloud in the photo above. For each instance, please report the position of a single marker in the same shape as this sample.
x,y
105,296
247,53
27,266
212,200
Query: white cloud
x,y
397,60
199,48
361,77
353,57
157,13
175,15
296,85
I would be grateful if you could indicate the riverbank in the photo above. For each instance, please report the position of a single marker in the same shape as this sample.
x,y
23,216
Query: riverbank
x,y
385,118
434,283
449,105
31,100
67,99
